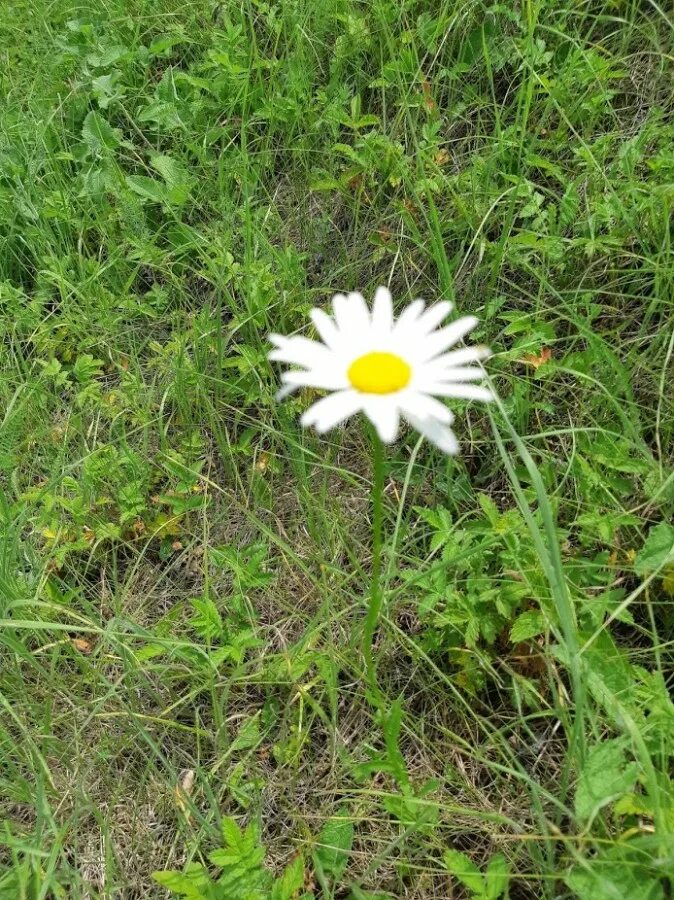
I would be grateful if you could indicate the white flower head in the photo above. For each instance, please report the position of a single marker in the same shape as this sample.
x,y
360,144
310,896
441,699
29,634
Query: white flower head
x,y
383,367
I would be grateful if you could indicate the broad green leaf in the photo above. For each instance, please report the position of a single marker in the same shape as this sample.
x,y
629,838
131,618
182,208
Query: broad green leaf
x,y
290,882
249,734
172,171
108,57
616,881
149,188
606,668
497,876
105,89
178,180
86,367
99,135
335,842
606,776
657,551
465,870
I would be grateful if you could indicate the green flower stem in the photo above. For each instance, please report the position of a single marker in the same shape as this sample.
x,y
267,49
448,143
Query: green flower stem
x,y
376,592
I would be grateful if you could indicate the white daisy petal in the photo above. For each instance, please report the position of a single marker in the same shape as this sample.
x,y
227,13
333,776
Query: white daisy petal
x,y
432,317
448,336
437,433
462,391
331,410
428,378
382,312
422,406
323,378
300,351
408,317
360,314
382,411
459,357
326,328
341,307
351,313
285,391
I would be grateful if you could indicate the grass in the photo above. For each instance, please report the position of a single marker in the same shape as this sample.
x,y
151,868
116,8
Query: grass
x,y
184,571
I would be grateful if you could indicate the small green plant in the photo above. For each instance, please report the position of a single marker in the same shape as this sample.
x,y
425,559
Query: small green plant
x,y
490,884
241,874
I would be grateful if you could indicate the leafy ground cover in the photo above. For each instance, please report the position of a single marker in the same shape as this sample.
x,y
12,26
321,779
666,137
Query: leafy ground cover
x,y
183,570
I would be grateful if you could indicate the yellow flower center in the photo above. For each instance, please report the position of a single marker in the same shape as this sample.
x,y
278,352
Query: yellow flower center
x,y
379,373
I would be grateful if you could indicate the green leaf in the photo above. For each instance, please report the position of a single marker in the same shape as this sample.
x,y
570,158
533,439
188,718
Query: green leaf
x,y
358,894
163,113
657,551
108,57
192,883
335,842
605,777
606,668
178,181
206,621
231,833
148,188
104,89
170,169
99,136
391,725
617,881
497,876
242,852
292,881
465,870
249,734
86,367
527,625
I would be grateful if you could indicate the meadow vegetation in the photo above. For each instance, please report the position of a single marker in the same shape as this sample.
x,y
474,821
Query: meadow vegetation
x,y
184,570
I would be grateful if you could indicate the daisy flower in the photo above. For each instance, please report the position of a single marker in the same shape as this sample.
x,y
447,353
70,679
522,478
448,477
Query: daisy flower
x,y
385,368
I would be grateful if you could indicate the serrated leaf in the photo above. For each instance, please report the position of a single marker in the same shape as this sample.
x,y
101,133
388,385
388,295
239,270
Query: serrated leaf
x,y
527,625
616,881
206,621
292,881
86,367
191,884
105,90
391,724
657,551
149,188
177,178
170,169
248,736
99,136
335,842
163,113
497,876
465,870
108,57
606,775
606,668
231,833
